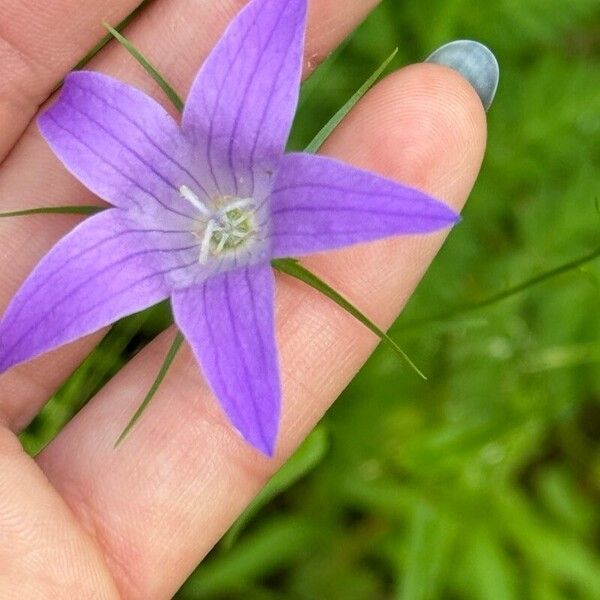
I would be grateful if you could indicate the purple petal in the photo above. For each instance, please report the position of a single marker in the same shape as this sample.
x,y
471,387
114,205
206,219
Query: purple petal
x,y
103,270
228,322
319,204
119,143
241,105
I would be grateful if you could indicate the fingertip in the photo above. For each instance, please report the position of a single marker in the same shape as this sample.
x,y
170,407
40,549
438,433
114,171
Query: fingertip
x,y
423,125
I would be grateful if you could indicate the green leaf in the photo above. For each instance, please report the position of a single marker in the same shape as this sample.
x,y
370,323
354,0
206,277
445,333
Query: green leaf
x,y
292,267
278,543
54,210
171,354
304,460
555,550
328,128
491,573
429,548
148,67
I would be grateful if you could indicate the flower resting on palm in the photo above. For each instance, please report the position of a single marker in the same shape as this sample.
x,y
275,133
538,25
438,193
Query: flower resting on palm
x,y
200,208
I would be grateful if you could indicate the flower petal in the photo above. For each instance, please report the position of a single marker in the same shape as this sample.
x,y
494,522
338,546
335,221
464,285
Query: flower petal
x,y
119,143
319,204
242,103
103,270
228,322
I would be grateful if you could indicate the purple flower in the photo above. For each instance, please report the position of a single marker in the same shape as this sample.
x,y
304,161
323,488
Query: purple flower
x,y
200,209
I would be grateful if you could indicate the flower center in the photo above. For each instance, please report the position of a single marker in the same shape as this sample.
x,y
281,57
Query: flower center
x,y
226,227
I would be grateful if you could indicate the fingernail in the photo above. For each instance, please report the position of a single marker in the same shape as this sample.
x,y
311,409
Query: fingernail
x,y
475,62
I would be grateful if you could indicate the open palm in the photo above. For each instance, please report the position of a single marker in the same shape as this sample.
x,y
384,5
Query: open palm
x,y
85,520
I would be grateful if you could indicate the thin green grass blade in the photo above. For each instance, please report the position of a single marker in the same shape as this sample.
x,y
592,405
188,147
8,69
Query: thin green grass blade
x,y
295,269
504,294
328,128
148,67
171,354
291,266
105,39
54,210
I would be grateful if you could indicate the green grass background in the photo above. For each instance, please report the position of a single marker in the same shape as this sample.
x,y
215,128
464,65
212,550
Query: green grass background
x,y
484,482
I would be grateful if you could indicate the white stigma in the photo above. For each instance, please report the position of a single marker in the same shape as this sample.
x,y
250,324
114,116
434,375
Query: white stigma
x,y
238,204
193,199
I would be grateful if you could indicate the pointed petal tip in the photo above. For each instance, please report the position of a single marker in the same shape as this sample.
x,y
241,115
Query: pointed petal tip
x,y
265,446
455,218
263,441
447,215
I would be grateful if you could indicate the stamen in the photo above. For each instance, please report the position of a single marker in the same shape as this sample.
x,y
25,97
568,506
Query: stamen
x,y
238,204
205,248
193,199
239,221
224,239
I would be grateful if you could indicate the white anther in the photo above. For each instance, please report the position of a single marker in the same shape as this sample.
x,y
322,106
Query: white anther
x,y
193,199
224,239
238,204
239,221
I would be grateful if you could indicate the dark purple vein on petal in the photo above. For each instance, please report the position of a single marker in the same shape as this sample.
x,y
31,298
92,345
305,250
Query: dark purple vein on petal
x,y
247,374
262,343
73,291
270,96
132,151
69,260
143,131
266,108
249,82
117,169
213,344
88,249
338,188
233,62
319,234
360,211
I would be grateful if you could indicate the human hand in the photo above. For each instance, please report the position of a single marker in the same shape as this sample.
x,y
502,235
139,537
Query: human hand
x,y
85,520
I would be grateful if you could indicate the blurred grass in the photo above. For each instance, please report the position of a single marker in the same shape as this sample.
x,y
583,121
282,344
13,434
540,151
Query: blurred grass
x,y
484,482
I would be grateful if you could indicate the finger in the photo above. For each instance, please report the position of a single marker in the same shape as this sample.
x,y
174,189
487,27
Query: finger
x,y
177,35
171,490
36,52
38,529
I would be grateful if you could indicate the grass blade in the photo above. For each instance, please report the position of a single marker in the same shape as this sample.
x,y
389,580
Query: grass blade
x,y
295,269
328,128
54,210
171,354
148,67
504,294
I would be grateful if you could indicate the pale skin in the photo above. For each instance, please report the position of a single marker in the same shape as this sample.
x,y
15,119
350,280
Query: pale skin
x,y
84,520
